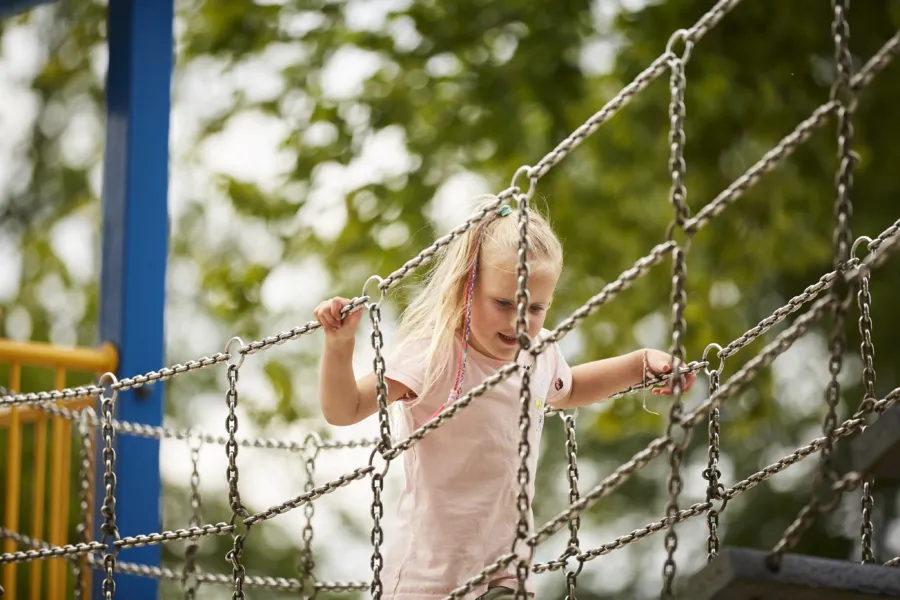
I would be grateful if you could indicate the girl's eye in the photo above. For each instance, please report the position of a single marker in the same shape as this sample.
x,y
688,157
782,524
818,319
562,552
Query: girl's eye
x,y
503,303
537,309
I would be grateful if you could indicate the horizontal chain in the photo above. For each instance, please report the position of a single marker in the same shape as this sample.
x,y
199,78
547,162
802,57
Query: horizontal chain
x,y
492,569
51,552
152,539
157,432
620,100
309,496
768,354
877,63
272,583
795,303
415,262
609,291
792,141
451,411
618,477
849,482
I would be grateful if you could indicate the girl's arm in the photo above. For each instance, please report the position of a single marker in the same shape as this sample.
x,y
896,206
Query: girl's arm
x,y
344,399
600,379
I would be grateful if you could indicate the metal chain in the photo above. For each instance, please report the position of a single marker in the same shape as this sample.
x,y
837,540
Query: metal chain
x,y
676,448
381,391
377,536
272,583
843,208
866,348
84,529
678,199
611,290
866,529
523,300
235,555
108,510
574,547
189,573
384,446
867,352
842,239
712,473
307,561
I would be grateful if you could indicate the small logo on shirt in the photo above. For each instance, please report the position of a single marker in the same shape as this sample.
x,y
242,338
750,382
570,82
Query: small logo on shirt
x,y
539,405
558,384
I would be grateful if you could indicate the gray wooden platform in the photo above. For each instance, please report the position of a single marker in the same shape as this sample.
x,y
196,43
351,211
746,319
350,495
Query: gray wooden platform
x,y
742,574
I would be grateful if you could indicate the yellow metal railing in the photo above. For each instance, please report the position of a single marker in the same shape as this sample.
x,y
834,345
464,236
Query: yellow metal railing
x,y
14,420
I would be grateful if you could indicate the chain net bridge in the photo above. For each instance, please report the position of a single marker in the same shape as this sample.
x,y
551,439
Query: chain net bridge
x,y
840,294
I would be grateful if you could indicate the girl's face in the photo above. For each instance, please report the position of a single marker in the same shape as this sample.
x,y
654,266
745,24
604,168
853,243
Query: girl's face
x,y
494,306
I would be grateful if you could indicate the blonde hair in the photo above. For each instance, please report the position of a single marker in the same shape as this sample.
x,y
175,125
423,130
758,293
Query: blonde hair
x,y
437,311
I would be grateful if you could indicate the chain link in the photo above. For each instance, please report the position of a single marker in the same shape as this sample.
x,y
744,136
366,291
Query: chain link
x,y
712,473
676,449
189,573
84,529
866,348
381,391
678,199
235,555
574,547
307,561
523,300
609,291
108,510
377,537
272,583
867,504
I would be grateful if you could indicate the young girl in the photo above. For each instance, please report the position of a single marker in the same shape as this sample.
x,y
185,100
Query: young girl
x,y
457,513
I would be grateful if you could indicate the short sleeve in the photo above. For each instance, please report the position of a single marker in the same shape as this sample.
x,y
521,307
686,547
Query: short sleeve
x,y
560,374
406,364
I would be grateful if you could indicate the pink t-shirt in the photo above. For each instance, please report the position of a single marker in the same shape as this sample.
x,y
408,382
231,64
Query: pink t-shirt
x,y
457,512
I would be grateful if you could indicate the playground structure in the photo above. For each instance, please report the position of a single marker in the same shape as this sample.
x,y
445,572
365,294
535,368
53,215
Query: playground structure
x,y
140,419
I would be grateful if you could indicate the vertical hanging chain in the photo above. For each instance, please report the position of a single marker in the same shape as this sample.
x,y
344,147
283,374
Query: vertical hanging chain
x,y
381,390
523,299
307,562
843,93
678,198
712,474
189,580
866,528
573,548
843,209
867,351
377,480
238,512
84,528
108,510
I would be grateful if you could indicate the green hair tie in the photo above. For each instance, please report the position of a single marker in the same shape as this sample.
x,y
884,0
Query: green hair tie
x,y
505,210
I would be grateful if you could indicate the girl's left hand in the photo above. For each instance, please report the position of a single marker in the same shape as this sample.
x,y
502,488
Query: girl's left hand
x,y
660,363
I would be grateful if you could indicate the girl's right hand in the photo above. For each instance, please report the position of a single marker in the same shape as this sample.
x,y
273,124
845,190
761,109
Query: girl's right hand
x,y
328,314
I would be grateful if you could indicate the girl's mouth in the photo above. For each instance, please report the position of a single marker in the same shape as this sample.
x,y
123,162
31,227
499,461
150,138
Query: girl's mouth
x,y
508,340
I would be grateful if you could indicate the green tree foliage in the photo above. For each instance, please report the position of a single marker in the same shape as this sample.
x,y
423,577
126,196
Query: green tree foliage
x,y
473,87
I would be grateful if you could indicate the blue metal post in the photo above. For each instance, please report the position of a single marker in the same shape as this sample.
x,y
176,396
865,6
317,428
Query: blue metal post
x,y
133,272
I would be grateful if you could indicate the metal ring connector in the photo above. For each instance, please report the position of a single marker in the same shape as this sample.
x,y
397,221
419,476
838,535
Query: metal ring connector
x,y
312,444
231,354
366,285
109,379
532,183
721,360
684,36
859,240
